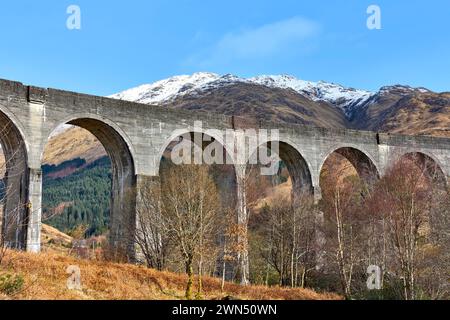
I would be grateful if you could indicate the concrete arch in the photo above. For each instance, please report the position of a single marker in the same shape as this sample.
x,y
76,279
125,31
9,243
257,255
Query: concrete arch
x,y
361,160
262,140
100,119
298,167
123,188
428,162
227,175
16,124
214,134
14,198
425,153
350,146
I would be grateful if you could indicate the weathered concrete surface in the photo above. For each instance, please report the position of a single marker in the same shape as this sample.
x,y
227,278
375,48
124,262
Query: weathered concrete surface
x,y
136,135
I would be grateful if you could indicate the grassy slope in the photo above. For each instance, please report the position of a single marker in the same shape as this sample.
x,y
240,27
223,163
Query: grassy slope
x,y
416,114
261,103
54,240
45,278
73,143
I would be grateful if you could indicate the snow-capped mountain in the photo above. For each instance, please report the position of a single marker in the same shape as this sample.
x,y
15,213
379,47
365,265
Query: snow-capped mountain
x,y
163,91
347,99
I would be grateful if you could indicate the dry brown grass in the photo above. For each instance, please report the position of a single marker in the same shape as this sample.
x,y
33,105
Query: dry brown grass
x,y
53,240
280,191
45,278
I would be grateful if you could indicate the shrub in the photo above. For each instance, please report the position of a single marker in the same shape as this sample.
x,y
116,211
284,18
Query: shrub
x,y
11,283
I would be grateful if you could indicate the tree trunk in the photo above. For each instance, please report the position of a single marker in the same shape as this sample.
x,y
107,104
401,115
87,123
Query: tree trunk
x,y
190,274
303,277
223,275
200,280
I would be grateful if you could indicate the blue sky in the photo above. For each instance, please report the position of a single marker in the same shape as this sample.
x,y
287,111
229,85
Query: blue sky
x,y
122,44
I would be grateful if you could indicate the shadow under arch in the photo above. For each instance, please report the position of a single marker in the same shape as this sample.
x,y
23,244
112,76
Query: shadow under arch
x,y
212,136
101,120
210,141
360,160
15,184
296,165
430,166
123,184
223,173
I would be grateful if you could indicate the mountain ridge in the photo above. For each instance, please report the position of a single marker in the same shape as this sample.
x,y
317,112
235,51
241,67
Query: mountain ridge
x,y
348,100
167,90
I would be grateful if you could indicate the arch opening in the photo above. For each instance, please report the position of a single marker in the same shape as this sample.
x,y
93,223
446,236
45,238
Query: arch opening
x,y
89,185
428,166
198,148
195,174
346,162
14,185
281,217
347,179
293,170
297,167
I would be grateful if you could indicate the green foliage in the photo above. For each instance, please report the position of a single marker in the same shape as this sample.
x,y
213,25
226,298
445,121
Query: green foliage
x,y
75,163
86,195
11,283
392,290
79,232
261,272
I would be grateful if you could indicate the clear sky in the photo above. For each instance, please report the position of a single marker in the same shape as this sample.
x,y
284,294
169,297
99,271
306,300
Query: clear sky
x,y
122,44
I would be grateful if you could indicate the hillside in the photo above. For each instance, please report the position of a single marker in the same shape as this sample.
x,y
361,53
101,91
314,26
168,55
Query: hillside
x,y
45,277
82,196
197,84
260,102
406,111
54,240
71,144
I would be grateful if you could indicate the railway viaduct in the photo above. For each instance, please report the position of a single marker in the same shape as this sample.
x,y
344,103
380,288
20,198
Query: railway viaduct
x,y
136,135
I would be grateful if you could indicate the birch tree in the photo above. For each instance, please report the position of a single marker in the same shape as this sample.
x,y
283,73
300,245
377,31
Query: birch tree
x,y
190,207
409,203
344,223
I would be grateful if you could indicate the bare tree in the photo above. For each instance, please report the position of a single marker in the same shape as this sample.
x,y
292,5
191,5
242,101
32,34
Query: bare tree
x,y
150,234
230,243
190,208
181,213
405,199
304,251
289,238
435,267
344,222
254,187
12,212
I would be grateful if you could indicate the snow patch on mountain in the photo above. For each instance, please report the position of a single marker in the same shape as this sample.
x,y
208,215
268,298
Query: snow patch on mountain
x,y
347,99
166,90
402,90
